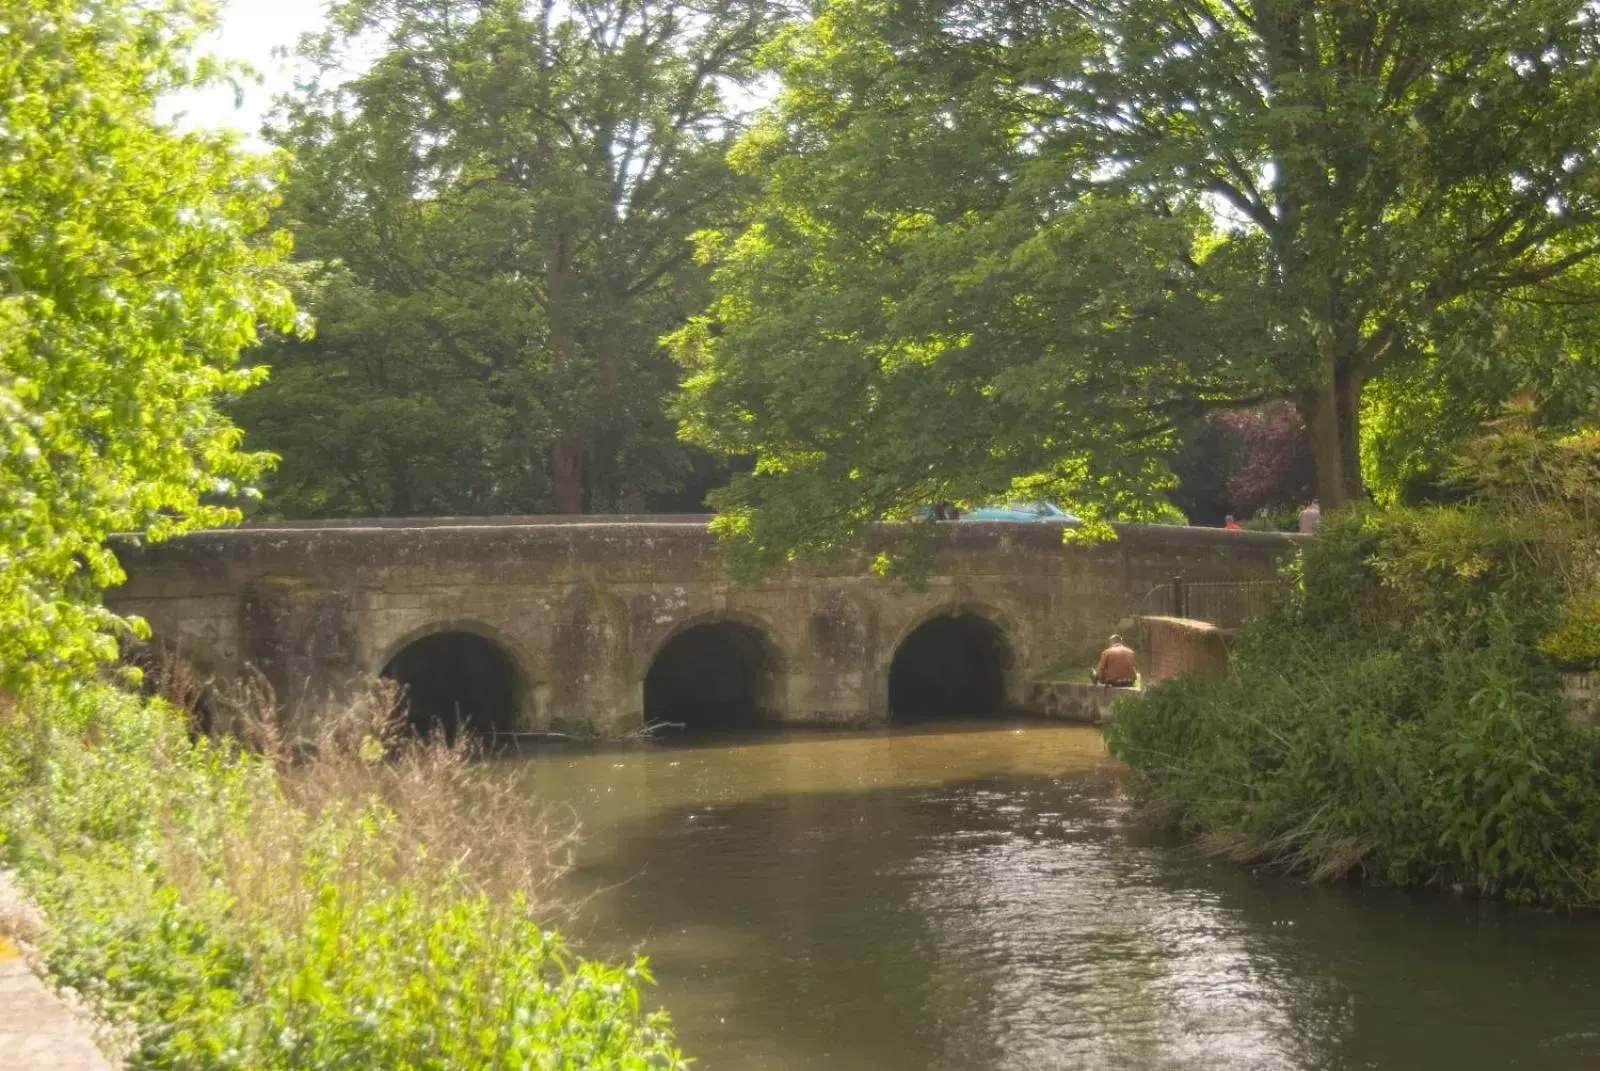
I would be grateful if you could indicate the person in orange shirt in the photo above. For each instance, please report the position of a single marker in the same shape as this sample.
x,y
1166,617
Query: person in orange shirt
x,y
1231,525
1116,666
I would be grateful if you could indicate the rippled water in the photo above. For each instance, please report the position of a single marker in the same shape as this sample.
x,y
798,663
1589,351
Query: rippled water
x,y
975,898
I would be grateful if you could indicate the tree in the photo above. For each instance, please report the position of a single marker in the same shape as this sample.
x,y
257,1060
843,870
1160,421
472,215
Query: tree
x,y
1277,473
1003,239
130,279
1209,451
1539,346
496,219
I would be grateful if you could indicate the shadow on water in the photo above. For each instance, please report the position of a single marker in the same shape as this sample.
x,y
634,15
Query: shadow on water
x,y
672,737
977,900
758,735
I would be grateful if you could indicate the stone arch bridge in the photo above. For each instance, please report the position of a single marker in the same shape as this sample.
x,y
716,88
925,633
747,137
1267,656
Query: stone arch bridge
x,y
602,625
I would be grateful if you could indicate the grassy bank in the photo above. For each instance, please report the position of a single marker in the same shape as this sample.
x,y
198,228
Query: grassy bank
x,y
1399,715
366,905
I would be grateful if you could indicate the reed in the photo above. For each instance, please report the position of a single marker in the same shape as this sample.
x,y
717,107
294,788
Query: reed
x,y
332,895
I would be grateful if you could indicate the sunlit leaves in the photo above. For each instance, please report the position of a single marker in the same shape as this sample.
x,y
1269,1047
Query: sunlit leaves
x,y
1131,212
130,279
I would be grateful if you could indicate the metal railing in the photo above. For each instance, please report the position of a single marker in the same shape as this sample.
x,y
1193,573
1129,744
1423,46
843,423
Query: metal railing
x,y
1224,603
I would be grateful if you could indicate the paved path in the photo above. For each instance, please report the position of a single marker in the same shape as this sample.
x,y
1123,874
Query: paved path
x,y
37,1032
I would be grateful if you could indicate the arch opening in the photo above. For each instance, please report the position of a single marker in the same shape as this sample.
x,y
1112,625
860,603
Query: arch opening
x,y
167,674
456,682
720,675
950,667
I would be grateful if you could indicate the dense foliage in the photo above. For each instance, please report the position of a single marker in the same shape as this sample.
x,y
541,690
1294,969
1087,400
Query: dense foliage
x,y
1539,344
213,902
1277,472
494,220
1400,715
1206,456
235,926
132,273
1004,240
1248,463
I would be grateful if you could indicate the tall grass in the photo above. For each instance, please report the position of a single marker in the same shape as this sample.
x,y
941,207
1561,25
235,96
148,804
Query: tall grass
x,y
342,897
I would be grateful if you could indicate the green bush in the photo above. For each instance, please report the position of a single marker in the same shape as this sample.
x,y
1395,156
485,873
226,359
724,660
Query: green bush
x,y
1575,641
1392,717
191,892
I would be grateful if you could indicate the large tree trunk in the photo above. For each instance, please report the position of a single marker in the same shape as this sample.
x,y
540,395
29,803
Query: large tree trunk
x,y
1317,410
1332,415
1306,233
566,474
566,453
1347,390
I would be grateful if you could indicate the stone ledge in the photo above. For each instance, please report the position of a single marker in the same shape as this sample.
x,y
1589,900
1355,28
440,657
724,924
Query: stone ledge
x,y
1188,625
955,535
1583,697
1089,704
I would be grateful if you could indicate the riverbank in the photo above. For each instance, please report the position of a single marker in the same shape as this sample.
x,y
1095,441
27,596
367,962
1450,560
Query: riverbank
x,y
1401,715
39,1028
343,910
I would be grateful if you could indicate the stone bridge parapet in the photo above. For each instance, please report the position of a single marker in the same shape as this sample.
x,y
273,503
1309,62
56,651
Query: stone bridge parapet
x,y
575,619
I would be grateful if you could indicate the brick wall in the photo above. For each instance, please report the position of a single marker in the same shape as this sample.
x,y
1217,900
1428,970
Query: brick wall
x,y
1173,646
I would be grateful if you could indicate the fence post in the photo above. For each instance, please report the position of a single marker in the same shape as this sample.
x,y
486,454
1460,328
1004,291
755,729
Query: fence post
x,y
1180,598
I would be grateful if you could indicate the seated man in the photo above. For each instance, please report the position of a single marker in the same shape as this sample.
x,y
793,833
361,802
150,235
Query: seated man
x,y
1116,666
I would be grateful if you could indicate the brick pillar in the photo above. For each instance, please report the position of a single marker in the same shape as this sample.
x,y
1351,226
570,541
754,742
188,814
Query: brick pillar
x,y
1174,646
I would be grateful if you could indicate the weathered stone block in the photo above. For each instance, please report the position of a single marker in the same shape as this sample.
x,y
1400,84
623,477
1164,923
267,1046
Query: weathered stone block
x,y
1072,701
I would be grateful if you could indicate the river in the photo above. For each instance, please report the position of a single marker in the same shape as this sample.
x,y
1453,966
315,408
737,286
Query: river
x,y
974,897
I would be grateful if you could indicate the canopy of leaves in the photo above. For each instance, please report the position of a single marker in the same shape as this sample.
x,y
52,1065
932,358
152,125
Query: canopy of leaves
x,y
1538,345
495,222
129,282
1277,472
1003,239
1208,453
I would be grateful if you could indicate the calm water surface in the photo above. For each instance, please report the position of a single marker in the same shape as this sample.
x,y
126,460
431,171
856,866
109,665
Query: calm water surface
x,y
975,897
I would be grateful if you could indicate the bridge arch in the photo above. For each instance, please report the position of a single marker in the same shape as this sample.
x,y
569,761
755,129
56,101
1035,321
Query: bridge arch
x,y
167,670
459,676
962,660
715,671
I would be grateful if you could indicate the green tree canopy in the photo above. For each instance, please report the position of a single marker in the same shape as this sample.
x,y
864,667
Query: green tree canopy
x,y
129,282
499,211
1537,345
1003,239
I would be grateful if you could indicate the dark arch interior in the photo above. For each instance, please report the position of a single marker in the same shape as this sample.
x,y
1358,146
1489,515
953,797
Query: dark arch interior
x,y
950,667
455,682
715,676
166,673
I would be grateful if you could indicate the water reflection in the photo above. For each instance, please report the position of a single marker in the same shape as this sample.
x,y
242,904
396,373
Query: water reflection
x,y
975,899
